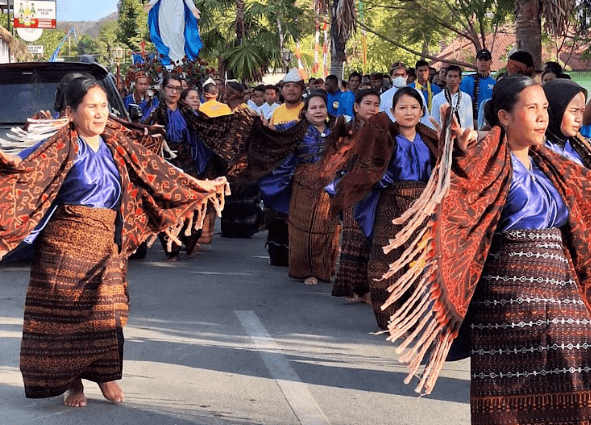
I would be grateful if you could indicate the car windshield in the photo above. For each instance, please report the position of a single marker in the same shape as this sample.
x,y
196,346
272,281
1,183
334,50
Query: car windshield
x,y
20,101
24,93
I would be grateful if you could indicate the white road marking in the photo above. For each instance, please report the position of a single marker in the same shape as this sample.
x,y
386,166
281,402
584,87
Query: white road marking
x,y
294,390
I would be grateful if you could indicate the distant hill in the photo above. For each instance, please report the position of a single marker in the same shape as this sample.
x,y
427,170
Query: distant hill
x,y
86,27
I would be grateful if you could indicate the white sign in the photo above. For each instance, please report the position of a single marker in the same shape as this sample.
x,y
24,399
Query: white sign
x,y
34,14
30,34
35,49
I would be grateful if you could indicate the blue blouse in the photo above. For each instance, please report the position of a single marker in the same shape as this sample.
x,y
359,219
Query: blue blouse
x,y
533,201
412,161
177,131
275,187
93,181
567,151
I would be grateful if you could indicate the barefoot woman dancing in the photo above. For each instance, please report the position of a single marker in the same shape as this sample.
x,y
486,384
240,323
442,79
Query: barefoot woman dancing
x,y
93,196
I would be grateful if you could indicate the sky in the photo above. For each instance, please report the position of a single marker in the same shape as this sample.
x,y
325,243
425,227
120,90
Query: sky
x,y
84,10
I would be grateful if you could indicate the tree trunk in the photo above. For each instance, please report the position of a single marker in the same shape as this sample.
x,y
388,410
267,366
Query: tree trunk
x,y
337,46
528,31
240,24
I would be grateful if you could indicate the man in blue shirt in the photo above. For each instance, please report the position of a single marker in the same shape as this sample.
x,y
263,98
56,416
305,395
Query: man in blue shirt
x,y
334,94
423,84
141,96
480,85
348,97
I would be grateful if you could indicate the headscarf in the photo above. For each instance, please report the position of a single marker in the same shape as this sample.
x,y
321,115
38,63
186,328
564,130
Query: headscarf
x,y
559,92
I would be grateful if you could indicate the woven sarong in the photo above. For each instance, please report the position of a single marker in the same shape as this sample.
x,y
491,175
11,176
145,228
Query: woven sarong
x,y
313,231
394,201
242,216
208,226
76,304
351,276
185,162
531,335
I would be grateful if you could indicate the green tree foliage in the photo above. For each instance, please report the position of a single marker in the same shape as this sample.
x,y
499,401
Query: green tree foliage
x,y
133,23
247,50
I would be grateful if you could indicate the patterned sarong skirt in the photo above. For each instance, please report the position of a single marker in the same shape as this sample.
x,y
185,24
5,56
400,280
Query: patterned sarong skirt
x,y
394,201
531,335
76,303
351,276
313,231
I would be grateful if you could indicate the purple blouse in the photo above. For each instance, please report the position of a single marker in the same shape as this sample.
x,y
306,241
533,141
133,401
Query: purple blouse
x,y
412,161
533,202
177,131
93,181
567,151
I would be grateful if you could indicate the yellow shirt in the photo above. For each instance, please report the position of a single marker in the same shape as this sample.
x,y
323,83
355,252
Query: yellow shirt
x,y
283,115
213,108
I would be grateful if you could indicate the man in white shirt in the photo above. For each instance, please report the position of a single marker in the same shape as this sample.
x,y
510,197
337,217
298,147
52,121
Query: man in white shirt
x,y
257,100
452,95
271,94
399,75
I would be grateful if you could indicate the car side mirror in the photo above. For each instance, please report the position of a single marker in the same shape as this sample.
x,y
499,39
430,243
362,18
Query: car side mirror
x,y
135,112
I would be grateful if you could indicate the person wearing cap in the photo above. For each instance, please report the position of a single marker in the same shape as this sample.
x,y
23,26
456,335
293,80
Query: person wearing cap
x,y
141,96
292,90
480,85
423,84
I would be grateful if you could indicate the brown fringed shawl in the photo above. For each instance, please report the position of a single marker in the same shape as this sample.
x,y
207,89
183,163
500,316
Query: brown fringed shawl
x,y
362,156
581,145
447,257
155,196
251,149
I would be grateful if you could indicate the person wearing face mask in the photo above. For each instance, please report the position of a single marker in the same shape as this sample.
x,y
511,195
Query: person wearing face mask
x,y
566,104
399,75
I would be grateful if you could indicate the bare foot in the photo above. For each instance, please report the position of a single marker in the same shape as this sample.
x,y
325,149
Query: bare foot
x,y
365,298
75,397
112,392
311,281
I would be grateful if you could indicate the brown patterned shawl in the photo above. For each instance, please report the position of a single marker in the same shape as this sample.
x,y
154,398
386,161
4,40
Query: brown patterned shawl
x,y
448,256
155,196
251,149
362,157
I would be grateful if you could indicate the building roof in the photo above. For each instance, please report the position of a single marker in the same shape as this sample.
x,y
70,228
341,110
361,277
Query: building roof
x,y
462,50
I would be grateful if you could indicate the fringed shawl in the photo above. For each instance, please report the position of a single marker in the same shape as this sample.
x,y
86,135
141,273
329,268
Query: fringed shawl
x,y
155,196
362,157
251,149
581,145
446,258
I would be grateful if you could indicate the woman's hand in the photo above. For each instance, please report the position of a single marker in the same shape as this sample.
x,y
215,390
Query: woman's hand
x,y
463,137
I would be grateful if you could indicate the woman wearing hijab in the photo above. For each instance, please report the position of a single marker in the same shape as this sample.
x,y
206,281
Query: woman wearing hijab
x,y
566,104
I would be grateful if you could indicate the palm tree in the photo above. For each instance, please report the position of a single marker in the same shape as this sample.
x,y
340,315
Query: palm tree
x,y
343,23
528,22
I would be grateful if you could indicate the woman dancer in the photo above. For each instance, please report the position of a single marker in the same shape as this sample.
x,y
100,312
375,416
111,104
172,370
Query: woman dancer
x,y
312,230
510,239
351,280
99,196
189,154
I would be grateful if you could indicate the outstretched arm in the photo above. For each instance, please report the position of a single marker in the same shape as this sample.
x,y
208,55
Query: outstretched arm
x,y
192,8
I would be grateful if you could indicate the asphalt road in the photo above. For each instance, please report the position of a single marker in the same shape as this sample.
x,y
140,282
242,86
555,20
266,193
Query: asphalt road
x,y
224,338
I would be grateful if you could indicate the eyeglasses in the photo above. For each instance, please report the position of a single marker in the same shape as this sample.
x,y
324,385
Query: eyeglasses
x,y
174,88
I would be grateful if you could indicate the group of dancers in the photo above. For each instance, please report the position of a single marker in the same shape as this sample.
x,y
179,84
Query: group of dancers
x,y
465,243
